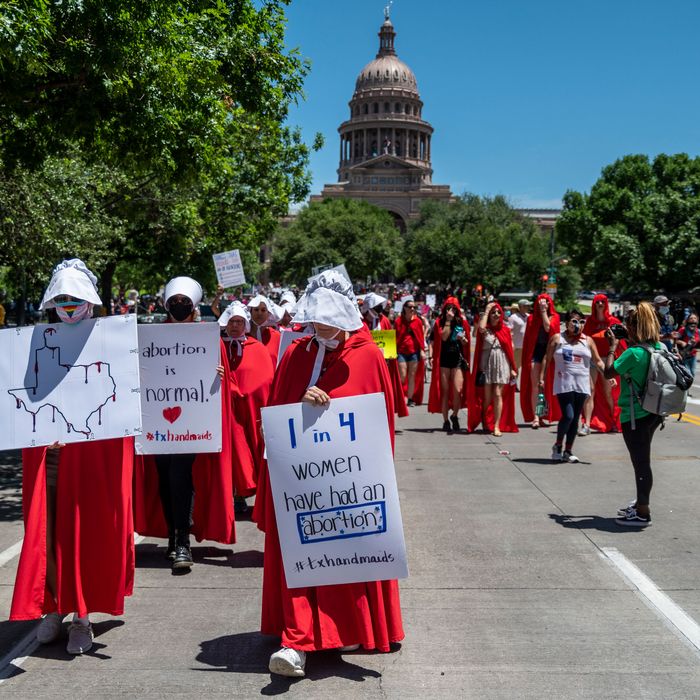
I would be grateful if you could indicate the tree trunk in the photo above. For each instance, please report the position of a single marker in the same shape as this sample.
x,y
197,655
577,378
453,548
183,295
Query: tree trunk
x,y
106,286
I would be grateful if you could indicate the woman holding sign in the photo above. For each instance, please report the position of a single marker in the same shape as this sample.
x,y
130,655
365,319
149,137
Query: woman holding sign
x,y
250,373
164,496
337,361
78,548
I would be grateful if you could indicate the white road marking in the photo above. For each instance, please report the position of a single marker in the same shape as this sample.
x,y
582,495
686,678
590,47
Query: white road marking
x,y
656,599
18,654
10,553
695,401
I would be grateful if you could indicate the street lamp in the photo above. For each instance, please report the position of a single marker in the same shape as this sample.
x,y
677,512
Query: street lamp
x,y
551,277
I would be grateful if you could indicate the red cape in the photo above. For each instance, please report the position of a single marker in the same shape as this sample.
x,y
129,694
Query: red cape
x,y
270,338
435,395
251,376
508,422
602,419
532,328
94,531
326,617
212,475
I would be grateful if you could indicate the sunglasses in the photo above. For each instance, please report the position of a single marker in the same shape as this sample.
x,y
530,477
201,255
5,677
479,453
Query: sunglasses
x,y
409,307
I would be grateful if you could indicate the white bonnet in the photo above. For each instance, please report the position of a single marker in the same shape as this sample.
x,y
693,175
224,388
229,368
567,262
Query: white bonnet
x,y
329,299
72,278
288,298
276,312
235,309
371,300
186,286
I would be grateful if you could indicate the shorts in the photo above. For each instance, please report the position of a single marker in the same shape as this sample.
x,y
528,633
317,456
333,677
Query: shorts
x,y
539,352
413,357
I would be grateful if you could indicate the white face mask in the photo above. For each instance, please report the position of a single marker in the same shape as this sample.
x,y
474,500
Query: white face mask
x,y
329,343
663,310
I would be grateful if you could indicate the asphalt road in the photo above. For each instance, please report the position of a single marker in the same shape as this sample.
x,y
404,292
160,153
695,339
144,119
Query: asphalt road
x,y
521,586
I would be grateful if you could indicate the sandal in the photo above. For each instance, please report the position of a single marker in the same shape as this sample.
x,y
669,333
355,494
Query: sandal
x,y
535,424
497,433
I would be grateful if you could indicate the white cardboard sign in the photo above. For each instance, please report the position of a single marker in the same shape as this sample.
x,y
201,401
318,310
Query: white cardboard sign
x,y
337,268
180,389
229,268
66,383
334,488
286,339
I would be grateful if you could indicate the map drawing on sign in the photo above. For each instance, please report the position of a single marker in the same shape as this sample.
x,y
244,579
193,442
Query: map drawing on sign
x,y
95,383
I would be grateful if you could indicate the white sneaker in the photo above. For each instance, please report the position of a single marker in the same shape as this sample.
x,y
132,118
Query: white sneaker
x,y
350,647
569,457
79,638
50,628
288,662
584,430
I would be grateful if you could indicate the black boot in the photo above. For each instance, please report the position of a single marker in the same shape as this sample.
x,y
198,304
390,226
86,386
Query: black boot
x,y
183,555
170,552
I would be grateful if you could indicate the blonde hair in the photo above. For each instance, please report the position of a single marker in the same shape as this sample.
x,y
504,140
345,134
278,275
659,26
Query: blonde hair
x,y
646,323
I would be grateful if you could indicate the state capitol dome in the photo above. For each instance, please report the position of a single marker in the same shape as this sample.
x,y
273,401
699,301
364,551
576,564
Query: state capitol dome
x,y
385,144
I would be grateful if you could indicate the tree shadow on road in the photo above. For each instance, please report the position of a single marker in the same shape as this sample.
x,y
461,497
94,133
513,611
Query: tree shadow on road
x,y
591,522
10,485
152,556
249,652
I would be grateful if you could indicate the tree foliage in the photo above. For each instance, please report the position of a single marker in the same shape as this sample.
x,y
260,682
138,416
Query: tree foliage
x,y
336,231
639,228
173,113
477,240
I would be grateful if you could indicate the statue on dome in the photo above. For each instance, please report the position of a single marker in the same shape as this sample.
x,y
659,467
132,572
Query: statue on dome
x,y
386,10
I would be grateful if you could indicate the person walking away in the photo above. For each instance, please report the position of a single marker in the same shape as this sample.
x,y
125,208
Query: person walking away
x,y
572,354
633,366
78,548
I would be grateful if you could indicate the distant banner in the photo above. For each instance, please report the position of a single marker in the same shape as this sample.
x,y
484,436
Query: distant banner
x,y
334,489
229,269
64,382
180,389
386,342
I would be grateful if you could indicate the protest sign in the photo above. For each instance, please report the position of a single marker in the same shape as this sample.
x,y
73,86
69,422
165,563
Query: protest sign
x,y
334,488
430,300
286,339
337,268
229,269
63,382
386,342
398,307
180,389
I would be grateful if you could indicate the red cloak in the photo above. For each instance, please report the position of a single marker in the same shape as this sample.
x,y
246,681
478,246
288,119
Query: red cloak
x,y
326,617
251,376
212,476
532,329
270,338
434,397
602,419
508,422
412,331
93,535
400,406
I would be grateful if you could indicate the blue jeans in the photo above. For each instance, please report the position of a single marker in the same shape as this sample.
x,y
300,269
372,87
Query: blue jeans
x,y
690,363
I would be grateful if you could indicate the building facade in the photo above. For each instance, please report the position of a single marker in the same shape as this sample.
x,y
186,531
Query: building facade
x,y
385,144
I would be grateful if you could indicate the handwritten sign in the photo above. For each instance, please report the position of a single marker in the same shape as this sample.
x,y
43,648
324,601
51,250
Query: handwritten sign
x,y
180,389
64,382
229,269
386,342
286,339
334,489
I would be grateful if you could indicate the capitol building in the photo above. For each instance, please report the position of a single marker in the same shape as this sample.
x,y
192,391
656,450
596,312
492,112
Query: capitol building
x,y
385,144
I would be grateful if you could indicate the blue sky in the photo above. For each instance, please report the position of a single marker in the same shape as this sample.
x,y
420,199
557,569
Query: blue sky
x,y
528,99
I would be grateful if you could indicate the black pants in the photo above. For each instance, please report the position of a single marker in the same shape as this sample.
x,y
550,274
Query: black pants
x,y
638,443
571,404
176,491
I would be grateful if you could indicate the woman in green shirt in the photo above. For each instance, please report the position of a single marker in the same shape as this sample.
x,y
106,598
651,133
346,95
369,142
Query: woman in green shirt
x,y
633,366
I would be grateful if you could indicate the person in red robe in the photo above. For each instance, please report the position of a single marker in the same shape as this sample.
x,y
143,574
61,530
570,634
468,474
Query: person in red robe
x,y
542,324
264,317
165,484
374,319
251,371
493,403
339,360
600,410
451,353
78,548
410,347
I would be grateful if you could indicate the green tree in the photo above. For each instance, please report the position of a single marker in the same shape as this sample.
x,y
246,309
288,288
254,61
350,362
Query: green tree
x,y
639,228
336,231
476,240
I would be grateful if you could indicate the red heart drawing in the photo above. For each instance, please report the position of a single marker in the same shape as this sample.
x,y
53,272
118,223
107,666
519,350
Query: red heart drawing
x,y
172,414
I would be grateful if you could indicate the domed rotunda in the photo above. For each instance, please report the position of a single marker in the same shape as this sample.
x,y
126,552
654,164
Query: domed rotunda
x,y
385,143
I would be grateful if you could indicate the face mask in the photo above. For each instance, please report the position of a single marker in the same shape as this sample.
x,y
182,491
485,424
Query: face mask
x,y
663,310
180,310
329,343
73,312
373,315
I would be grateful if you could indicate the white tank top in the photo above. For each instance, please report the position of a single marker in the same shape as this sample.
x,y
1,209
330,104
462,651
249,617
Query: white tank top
x,y
572,363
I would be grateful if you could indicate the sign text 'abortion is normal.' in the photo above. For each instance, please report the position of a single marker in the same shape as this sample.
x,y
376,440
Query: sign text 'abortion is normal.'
x,y
334,488
180,388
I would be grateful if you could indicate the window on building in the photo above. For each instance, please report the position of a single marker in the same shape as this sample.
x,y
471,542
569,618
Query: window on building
x,y
365,109
397,108
387,107
376,107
